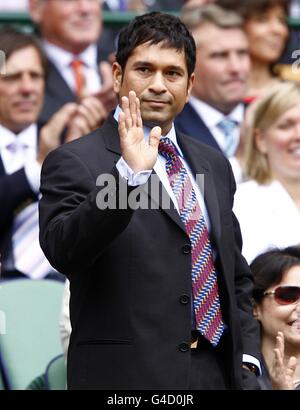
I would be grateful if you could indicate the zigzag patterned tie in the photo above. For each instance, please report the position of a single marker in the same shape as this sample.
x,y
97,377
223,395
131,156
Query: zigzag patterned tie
x,y
206,300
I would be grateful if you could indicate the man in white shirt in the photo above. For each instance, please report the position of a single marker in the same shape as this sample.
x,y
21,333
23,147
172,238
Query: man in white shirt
x,y
23,148
70,31
215,110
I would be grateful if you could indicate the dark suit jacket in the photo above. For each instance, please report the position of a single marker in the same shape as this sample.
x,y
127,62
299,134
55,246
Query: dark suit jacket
x,y
190,123
15,193
130,270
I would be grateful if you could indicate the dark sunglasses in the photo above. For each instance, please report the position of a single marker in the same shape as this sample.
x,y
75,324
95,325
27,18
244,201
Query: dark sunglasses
x,y
285,295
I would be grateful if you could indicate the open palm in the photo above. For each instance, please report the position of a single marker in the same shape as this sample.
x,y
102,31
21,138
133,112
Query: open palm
x,y
139,154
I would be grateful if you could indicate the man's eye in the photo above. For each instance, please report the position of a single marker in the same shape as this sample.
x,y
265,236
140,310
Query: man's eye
x,y
143,69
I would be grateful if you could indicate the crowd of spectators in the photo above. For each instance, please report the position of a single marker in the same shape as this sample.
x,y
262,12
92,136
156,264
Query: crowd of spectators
x,y
57,86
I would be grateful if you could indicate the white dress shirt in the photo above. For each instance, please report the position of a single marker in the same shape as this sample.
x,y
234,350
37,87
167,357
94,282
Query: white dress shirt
x,y
62,59
20,150
268,217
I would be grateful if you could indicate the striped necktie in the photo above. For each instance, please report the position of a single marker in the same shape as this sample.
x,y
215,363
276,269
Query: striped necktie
x,y
206,300
227,127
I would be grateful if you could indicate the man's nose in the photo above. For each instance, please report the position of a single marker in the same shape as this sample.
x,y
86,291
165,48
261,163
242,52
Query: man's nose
x,y
157,84
85,5
234,63
26,83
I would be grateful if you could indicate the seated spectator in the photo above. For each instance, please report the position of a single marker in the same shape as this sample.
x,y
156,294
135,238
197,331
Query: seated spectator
x,y
267,30
268,205
277,307
215,109
70,31
23,148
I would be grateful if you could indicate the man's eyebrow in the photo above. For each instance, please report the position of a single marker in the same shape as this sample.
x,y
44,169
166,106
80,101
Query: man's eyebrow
x,y
149,64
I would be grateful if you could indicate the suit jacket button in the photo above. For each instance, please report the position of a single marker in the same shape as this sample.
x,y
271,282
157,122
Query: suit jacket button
x,y
186,249
184,299
184,347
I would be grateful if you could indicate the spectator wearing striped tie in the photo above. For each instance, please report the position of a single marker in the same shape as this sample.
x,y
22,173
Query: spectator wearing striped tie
x,y
24,145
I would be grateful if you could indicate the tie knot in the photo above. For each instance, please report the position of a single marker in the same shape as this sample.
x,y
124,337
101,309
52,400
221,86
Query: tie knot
x,y
16,146
76,64
227,126
166,148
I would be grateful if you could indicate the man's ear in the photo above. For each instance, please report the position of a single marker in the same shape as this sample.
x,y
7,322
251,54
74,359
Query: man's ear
x,y
36,9
260,141
117,77
190,86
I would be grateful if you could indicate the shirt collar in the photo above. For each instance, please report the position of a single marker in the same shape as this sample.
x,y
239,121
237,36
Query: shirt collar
x,y
171,134
63,58
212,116
27,137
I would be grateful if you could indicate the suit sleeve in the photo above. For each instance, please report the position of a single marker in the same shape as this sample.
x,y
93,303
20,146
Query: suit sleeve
x,y
74,231
15,190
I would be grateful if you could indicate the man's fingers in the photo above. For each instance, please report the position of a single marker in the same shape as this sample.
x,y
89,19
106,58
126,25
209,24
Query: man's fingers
x,y
60,119
291,366
154,137
133,107
126,110
139,115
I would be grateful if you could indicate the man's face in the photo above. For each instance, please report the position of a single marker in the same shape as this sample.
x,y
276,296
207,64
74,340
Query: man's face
x,y
222,66
21,89
70,24
160,80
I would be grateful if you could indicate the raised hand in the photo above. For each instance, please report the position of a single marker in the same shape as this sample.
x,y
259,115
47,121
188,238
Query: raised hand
x,y
89,115
51,132
138,153
282,373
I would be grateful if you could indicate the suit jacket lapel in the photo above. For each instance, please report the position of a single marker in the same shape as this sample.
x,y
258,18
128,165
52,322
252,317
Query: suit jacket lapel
x,y
194,156
190,123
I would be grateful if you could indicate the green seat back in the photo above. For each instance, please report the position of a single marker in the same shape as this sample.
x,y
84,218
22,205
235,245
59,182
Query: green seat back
x,y
31,309
56,374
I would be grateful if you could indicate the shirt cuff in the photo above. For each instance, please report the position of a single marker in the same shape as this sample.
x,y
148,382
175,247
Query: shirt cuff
x,y
127,173
33,175
251,359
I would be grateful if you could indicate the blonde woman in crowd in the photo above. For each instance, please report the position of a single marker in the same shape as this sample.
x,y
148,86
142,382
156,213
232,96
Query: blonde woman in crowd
x,y
268,204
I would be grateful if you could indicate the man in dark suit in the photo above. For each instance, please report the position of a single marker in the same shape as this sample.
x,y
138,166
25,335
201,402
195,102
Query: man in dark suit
x,y
157,302
70,31
215,111
23,146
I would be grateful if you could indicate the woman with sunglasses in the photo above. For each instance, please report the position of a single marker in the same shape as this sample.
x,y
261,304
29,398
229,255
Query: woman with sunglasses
x,y
277,307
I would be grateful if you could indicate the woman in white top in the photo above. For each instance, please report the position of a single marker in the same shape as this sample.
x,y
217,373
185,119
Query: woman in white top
x,y
268,204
